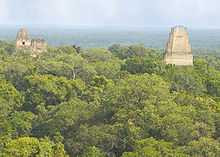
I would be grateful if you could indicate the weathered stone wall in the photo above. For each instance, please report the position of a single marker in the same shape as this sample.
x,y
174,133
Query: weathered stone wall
x,y
35,45
22,40
178,50
38,44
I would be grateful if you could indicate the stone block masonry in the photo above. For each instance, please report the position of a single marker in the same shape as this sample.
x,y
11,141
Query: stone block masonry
x,y
35,45
178,50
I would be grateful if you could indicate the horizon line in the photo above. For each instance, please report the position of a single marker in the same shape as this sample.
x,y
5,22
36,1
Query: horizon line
x,y
108,26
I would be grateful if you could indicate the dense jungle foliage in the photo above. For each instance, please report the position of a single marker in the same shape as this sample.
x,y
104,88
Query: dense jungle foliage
x,y
120,102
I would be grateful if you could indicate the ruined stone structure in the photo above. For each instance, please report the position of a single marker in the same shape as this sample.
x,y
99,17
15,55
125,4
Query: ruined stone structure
x,y
35,45
22,40
178,50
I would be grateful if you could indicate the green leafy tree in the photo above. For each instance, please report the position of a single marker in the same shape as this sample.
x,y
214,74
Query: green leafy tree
x,y
153,148
10,98
50,90
93,152
27,147
143,65
204,147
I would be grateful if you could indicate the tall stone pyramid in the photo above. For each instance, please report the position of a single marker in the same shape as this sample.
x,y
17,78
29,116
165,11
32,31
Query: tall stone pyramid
x,y
178,50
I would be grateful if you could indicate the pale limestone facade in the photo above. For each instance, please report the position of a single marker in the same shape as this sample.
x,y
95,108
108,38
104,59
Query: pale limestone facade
x,y
22,40
35,45
178,50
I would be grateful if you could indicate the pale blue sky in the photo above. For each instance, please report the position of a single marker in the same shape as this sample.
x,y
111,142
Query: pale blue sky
x,y
152,13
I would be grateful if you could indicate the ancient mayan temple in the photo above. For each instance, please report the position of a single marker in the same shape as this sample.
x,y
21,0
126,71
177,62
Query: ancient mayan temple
x,y
24,42
178,50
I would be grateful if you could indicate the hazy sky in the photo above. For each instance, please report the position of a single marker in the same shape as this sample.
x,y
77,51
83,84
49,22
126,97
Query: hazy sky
x,y
160,13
